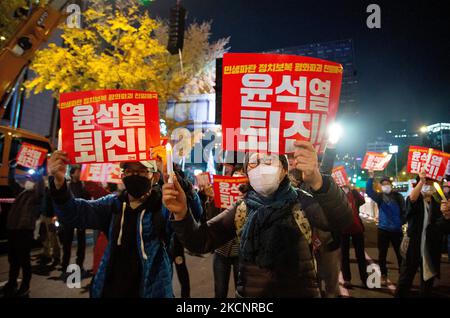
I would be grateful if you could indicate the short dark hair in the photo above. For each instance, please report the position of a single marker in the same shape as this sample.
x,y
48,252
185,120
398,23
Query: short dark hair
x,y
385,179
74,169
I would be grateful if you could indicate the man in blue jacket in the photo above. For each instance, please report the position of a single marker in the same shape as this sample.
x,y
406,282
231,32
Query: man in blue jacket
x,y
391,217
135,262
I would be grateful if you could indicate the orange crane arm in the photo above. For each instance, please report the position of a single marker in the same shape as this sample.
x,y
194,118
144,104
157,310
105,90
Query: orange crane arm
x,y
20,49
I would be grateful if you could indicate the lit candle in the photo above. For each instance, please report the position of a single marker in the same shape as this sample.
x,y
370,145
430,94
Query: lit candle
x,y
60,139
169,159
439,190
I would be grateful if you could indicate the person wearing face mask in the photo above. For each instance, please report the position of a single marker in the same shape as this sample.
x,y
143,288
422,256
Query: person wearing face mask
x,y
135,262
391,217
273,223
425,235
20,225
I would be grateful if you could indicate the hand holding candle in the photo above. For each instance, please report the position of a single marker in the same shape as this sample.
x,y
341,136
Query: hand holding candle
x,y
59,139
439,190
169,159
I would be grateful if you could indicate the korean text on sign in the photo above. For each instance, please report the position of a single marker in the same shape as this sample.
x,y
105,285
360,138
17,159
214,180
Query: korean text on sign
x,y
273,100
109,125
226,190
375,161
434,161
31,156
340,176
101,172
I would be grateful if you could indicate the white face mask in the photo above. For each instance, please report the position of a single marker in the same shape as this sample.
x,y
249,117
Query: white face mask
x,y
427,189
386,189
29,185
265,179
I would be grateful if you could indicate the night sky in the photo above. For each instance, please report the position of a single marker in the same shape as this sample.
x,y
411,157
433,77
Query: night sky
x,y
402,67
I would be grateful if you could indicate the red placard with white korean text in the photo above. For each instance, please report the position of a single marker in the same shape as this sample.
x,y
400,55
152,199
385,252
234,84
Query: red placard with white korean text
x,y
271,100
31,156
226,191
109,125
375,161
340,176
203,179
101,172
435,161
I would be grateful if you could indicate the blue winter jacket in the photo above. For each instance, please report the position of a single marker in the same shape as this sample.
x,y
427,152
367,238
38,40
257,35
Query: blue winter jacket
x,y
101,214
391,208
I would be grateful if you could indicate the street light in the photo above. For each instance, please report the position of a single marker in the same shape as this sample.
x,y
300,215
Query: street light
x,y
334,133
423,129
393,149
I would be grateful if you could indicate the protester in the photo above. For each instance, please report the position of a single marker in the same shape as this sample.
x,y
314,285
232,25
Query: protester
x,y
135,263
391,217
226,256
176,248
355,234
424,238
326,244
271,222
77,188
51,246
20,225
96,191
446,190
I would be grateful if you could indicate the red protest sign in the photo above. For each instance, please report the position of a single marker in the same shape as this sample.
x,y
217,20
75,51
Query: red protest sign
x,y
109,125
375,161
273,100
340,176
226,191
31,156
434,161
203,179
101,172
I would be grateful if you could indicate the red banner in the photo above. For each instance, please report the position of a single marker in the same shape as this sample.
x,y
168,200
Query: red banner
x,y
271,100
226,191
101,172
203,179
109,125
435,161
375,161
340,176
31,156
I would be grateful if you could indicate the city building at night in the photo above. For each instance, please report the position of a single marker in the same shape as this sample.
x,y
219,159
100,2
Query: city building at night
x,y
437,136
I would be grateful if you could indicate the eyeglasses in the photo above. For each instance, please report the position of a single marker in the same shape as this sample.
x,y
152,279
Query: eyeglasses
x,y
267,159
140,172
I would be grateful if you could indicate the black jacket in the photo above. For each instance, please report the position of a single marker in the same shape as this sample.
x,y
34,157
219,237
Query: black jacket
x,y
328,210
434,231
26,208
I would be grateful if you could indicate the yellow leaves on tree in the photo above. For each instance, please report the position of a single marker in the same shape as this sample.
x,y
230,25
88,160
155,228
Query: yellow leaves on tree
x,y
126,49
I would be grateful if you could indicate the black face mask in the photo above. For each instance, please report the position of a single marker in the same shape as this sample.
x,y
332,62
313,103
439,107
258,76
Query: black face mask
x,y
136,185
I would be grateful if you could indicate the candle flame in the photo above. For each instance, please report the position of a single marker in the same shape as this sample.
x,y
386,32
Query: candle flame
x,y
439,190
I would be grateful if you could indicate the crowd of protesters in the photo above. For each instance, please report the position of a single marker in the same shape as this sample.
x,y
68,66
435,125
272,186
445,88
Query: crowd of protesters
x,y
289,235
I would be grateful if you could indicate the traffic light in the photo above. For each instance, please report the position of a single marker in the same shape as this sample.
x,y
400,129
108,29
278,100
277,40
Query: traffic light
x,y
176,29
